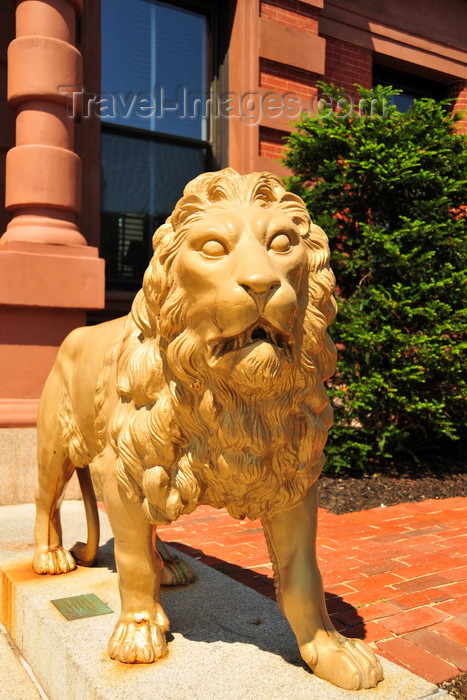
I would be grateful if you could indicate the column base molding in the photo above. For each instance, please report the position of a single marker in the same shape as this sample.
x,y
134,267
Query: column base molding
x,y
18,413
52,276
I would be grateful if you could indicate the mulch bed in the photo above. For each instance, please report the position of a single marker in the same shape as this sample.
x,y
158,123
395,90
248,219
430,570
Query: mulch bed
x,y
457,687
444,477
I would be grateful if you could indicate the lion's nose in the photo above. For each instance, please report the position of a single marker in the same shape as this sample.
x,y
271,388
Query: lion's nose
x,y
259,283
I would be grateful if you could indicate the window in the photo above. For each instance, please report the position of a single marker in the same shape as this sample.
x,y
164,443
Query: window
x,y
413,87
159,61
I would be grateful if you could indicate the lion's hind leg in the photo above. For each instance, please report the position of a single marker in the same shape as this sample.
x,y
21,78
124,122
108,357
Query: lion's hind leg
x,y
50,557
54,472
176,571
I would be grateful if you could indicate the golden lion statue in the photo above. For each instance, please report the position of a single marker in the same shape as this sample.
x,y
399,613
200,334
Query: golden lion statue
x,y
209,392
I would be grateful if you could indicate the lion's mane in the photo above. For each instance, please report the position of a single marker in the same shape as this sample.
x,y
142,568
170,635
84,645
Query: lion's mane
x,y
183,436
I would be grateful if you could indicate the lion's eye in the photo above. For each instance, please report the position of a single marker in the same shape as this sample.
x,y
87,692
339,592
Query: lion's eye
x,y
280,243
213,249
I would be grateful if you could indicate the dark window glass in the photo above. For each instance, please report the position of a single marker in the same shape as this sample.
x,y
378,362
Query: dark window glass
x,y
404,101
412,87
154,67
154,138
142,179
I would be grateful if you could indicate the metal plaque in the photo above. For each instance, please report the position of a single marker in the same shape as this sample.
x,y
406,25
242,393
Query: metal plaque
x,y
78,606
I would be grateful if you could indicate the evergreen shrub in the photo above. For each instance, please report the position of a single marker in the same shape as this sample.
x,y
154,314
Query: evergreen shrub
x,y
390,193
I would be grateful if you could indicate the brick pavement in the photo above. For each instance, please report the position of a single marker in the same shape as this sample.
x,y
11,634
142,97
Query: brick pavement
x,y
396,576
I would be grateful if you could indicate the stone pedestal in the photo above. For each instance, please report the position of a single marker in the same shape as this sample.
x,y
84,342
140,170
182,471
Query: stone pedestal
x,y
226,641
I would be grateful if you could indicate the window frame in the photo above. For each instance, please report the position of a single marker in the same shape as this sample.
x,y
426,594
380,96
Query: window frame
x,y
218,23
215,145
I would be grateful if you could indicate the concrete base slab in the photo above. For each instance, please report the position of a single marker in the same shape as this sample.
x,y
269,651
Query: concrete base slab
x,y
15,682
227,641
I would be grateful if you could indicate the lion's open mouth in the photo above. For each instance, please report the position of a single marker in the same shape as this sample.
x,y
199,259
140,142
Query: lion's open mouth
x,y
260,332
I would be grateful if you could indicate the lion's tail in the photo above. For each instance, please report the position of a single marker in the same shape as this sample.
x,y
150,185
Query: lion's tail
x,y
85,554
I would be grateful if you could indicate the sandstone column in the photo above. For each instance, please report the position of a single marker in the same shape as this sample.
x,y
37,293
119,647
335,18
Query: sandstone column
x,y
43,186
49,276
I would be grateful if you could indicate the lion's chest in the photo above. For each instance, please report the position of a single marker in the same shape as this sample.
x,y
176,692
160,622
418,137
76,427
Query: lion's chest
x,y
250,485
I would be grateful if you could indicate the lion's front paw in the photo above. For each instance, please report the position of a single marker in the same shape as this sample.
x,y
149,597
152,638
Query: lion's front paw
x,y
177,573
348,663
52,560
138,640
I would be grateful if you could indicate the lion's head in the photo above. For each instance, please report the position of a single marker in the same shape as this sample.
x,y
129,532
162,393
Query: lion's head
x,y
220,373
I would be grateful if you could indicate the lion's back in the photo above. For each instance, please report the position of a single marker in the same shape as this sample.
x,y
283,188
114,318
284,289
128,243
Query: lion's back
x,y
82,354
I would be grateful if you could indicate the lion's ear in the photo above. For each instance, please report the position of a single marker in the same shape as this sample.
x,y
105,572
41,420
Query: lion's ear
x,y
189,205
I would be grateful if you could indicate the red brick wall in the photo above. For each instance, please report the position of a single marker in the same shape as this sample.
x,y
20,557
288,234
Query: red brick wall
x,y
283,79
458,91
292,13
271,143
347,64
280,78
